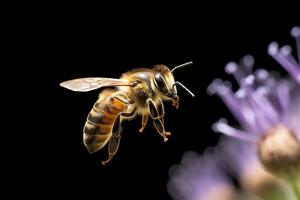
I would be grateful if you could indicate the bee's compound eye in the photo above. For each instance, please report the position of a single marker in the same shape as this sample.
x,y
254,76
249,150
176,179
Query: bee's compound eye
x,y
160,83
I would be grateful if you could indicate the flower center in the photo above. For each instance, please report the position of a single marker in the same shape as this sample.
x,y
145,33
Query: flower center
x,y
279,152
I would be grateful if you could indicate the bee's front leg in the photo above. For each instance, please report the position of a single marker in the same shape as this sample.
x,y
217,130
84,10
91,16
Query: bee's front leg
x,y
175,102
158,124
157,116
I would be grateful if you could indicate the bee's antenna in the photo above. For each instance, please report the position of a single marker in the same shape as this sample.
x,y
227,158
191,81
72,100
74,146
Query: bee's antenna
x,y
183,65
178,83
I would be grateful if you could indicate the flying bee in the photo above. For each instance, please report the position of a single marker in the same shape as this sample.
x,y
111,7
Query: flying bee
x,y
137,92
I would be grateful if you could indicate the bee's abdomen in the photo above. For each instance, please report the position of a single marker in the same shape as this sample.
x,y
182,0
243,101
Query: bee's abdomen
x,y
100,121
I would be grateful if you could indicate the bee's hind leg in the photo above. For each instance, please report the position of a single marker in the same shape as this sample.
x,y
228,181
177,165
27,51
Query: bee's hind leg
x,y
114,142
112,148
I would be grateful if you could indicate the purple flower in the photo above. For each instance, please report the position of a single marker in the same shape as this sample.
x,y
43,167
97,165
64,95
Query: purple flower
x,y
267,108
284,57
262,102
200,178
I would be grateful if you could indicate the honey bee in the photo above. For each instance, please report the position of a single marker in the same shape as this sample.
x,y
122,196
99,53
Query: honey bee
x,y
140,91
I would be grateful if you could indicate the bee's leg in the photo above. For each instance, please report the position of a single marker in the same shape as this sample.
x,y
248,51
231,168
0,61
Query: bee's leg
x,y
157,116
175,102
161,109
144,122
158,124
121,101
161,112
114,141
113,146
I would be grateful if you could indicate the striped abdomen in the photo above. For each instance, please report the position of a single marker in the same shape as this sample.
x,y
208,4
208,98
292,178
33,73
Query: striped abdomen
x,y
99,125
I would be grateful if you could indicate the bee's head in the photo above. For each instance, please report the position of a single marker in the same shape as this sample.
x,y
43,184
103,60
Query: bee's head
x,y
165,83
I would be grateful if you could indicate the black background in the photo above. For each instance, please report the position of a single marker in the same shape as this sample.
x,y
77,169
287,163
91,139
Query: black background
x,y
65,43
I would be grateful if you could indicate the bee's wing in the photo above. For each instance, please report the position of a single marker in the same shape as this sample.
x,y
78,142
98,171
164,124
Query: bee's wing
x,y
88,84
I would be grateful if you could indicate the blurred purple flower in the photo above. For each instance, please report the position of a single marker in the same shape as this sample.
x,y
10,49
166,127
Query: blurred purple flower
x,y
205,177
200,178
